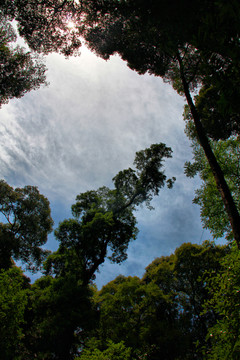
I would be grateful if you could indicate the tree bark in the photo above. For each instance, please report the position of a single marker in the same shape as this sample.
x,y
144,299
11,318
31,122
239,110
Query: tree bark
x,y
221,183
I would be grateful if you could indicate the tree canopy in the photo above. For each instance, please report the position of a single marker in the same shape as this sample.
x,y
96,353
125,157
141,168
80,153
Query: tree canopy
x,y
21,70
26,223
161,315
45,24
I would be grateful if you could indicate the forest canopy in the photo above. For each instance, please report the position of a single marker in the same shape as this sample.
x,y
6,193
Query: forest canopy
x,y
186,304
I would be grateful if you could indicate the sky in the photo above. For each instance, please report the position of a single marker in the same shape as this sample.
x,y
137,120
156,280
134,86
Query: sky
x,y
78,132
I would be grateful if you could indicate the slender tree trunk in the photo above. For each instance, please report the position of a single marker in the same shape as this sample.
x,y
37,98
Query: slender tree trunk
x,y
221,183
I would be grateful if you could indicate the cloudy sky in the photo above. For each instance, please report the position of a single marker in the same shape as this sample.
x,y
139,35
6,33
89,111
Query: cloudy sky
x,y
86,126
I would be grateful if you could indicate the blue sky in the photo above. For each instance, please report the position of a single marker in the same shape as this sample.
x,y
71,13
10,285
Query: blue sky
x,y
78,132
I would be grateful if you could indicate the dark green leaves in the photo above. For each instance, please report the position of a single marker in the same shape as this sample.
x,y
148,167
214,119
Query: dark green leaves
x,y
140,185
27,222
21,71
45,25
13,304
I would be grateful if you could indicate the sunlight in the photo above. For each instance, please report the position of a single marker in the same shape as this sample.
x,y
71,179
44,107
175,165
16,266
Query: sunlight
x,y
71,25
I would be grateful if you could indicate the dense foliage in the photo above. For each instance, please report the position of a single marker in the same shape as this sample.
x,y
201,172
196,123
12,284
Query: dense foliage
x,y
224,287
161,315
20,70
171,313
26,223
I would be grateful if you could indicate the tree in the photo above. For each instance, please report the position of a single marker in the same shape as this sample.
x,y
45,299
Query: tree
x,y
21,71
213,214
163,39
104,222
27,223
193,263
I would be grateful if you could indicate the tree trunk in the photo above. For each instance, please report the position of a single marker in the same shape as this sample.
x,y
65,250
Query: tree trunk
x,y
221,183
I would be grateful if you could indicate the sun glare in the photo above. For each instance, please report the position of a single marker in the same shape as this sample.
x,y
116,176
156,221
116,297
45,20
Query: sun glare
x,y
71,25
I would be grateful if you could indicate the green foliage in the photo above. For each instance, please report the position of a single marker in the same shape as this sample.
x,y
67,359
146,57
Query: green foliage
x,y
138,314
45,25
138,186
161,273
183,277
224,287
113,351
13,302
191,265
27,223
219,110
161,315
61,314
213,213
21,71
158,30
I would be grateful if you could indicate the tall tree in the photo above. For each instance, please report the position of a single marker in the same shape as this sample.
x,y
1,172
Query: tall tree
x,y
104,223
59,317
